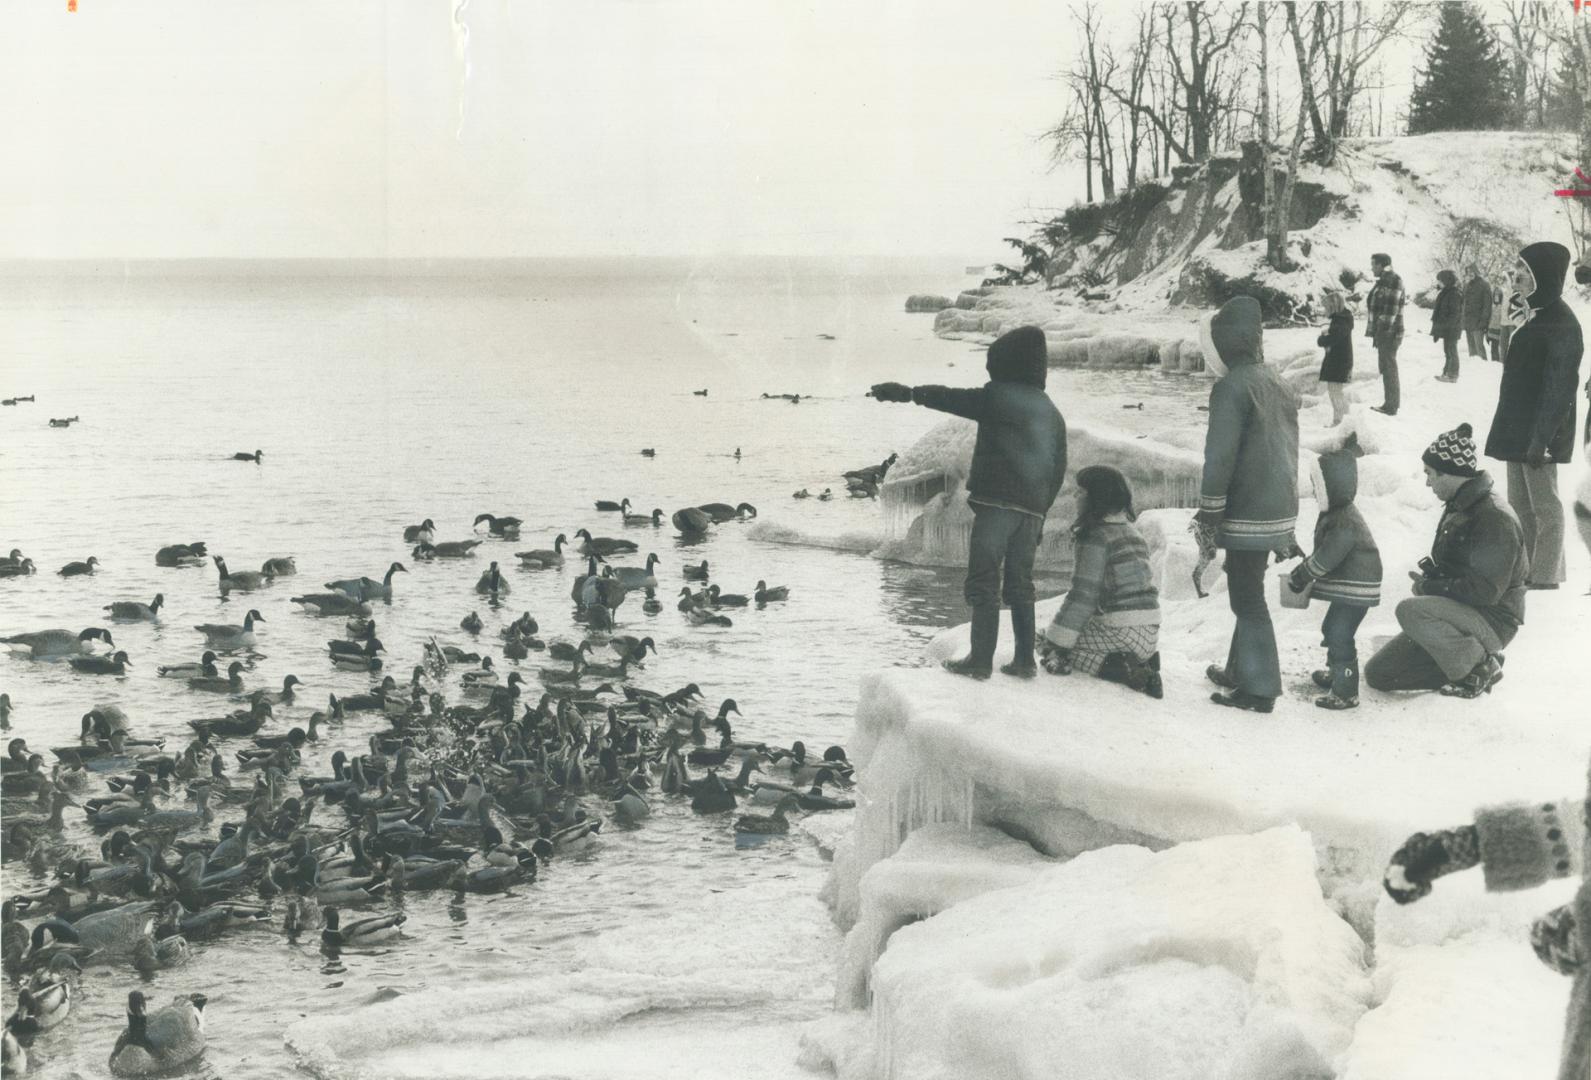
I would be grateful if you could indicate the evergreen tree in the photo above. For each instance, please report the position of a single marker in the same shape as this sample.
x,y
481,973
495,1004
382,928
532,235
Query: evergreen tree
x,y
1565,107
1465,82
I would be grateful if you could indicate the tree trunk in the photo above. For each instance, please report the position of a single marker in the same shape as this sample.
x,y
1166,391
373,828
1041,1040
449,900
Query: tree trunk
x,y
1273,242
1284,211
1306,73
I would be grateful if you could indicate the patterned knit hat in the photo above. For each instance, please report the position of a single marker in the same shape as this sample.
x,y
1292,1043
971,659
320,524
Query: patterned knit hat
x,y
1453,452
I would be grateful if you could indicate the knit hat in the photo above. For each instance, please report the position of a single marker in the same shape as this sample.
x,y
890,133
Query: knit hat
x,y
1549,263
1453,452
1107,489
1020,355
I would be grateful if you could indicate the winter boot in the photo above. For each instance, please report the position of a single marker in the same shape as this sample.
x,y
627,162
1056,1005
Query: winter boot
x,y
1335,703
1115,668
1022,664
1239,699
1322,678
1485,675
1216,673
979,662
1152,684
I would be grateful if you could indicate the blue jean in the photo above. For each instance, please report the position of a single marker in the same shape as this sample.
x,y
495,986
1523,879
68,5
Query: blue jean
x,y
1337,632
1007,537
1252,661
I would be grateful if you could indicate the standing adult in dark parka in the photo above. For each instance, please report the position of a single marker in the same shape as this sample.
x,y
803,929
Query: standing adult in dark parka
x,y
1018,463
1477,311
1249,493
1384,327
1533,430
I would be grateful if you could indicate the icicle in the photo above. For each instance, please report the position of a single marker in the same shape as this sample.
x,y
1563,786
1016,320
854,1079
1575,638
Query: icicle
x,y
461,48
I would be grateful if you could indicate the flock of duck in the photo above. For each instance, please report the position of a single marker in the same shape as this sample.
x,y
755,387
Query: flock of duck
x,y
474,778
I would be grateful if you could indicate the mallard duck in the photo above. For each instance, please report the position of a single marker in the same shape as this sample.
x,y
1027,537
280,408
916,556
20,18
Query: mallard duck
x,y
654,519
718,598
149,955
50,992
231,684
204,668
802,494
76,569
181,820
284,696
709,795
367,588
621,670
424,532
455,549
603,546
29,782
17,1036
630,807
331,604
368,931
769,824
54,644
695,573
622,506
133,611
543,558
17,569
764,594
471,623
419,872
240,722
225,636
815,800
181,554
243,580
13,559
700,616
492,582
631,647
635,577
153,1044
504,528
353,657
826,495
256,457
114,664
691,520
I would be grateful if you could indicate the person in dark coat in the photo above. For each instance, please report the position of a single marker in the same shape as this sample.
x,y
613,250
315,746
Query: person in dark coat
x,y
1018,464
1469,595
1336,367
1345,571
1477,310
1533,430
1248,494
1446,321
1384,327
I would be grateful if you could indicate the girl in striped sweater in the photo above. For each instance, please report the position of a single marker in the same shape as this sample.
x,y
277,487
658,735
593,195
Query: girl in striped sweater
x,y
1109,624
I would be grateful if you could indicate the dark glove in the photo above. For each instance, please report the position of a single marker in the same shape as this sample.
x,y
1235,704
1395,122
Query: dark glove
x,y
1056,660
1290,550
891,391
1209,519
1555,941
1300,578
1536,455
1425,857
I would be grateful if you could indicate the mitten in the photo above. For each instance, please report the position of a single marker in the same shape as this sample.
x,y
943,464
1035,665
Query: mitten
x,y
1425,857
1207,519
1056,660
1289,550
1300,578
891,391
1555,941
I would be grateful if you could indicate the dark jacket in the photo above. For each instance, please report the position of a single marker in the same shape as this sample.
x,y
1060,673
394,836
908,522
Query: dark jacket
x,y
1477,303
1479,552
1346,564
1337,364
1384,310
1019,459
1251,447
1447,317
1537,398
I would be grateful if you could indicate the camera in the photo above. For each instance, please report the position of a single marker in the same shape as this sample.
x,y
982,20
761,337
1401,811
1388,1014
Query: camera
x,y
1427,566
1582,274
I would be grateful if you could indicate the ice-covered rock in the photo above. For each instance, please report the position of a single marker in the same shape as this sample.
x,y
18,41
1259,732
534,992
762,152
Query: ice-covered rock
x,y
928,302
1216,959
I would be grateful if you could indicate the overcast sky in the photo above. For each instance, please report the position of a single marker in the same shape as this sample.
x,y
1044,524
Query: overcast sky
x,y
218,128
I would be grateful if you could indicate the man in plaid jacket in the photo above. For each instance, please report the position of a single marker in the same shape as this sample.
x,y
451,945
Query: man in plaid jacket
x,y
1384,326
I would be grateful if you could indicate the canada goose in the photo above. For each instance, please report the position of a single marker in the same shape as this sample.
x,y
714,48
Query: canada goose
x,y
225,636
603,546
115,664
181,554
454,549
282,567
133,611
243,580
721,512
764,594
154,1044
331,604
691,520
54,644
607,505
65,421
505,528
654,519
635,577
257,457
700,393
542,558
425,531
367,588
492,582
75,569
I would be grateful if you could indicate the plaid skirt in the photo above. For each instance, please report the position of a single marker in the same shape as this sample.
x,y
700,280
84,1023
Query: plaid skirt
x,y
1098,640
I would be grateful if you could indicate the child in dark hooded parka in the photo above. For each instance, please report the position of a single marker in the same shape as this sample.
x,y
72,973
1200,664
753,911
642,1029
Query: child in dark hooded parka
x,y
1345,568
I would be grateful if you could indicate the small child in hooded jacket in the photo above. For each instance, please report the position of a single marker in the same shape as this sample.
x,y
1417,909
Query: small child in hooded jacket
x,y
1345,569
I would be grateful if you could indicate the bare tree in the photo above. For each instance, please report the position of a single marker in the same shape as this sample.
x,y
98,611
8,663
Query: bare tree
x,y
1350,36
1094,70
1528,30
1073,137
1207,84
1139,85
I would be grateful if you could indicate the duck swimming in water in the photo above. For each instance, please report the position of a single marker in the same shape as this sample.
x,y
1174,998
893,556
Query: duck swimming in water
x,y
17,569
160,1042
471,623
764,594
718,598
133,611
204,668
367,931
225,636
769,824
543,558
654,519
232,683
181,554
695,573
77,569
504,528
55,644
115,664
257,457
286,566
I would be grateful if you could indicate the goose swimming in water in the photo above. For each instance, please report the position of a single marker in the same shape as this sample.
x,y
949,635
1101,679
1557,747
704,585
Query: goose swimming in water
x,y
115,664
452,549
648,452
603,546
76,569
691,520
542,558
154,1044
505,528
243,580
722,512
492,582
55,644
425,531
634,577
133,611
282,567
367,588
331,604
226,636
181,554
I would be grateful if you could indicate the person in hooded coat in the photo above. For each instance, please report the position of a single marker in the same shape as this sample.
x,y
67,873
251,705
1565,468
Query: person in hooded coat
x,y
1018,465
1249,494
1447,319
1533,430
1477,310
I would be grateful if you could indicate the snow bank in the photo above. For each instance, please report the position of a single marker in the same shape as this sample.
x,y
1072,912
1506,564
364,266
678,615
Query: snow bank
x,y
1216,959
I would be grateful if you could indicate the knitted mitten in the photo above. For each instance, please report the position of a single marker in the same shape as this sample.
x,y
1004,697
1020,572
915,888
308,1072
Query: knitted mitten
x,y
1425,857
1555,941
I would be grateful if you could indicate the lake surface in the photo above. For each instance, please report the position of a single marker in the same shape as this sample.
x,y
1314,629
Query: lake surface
x,y
662,950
